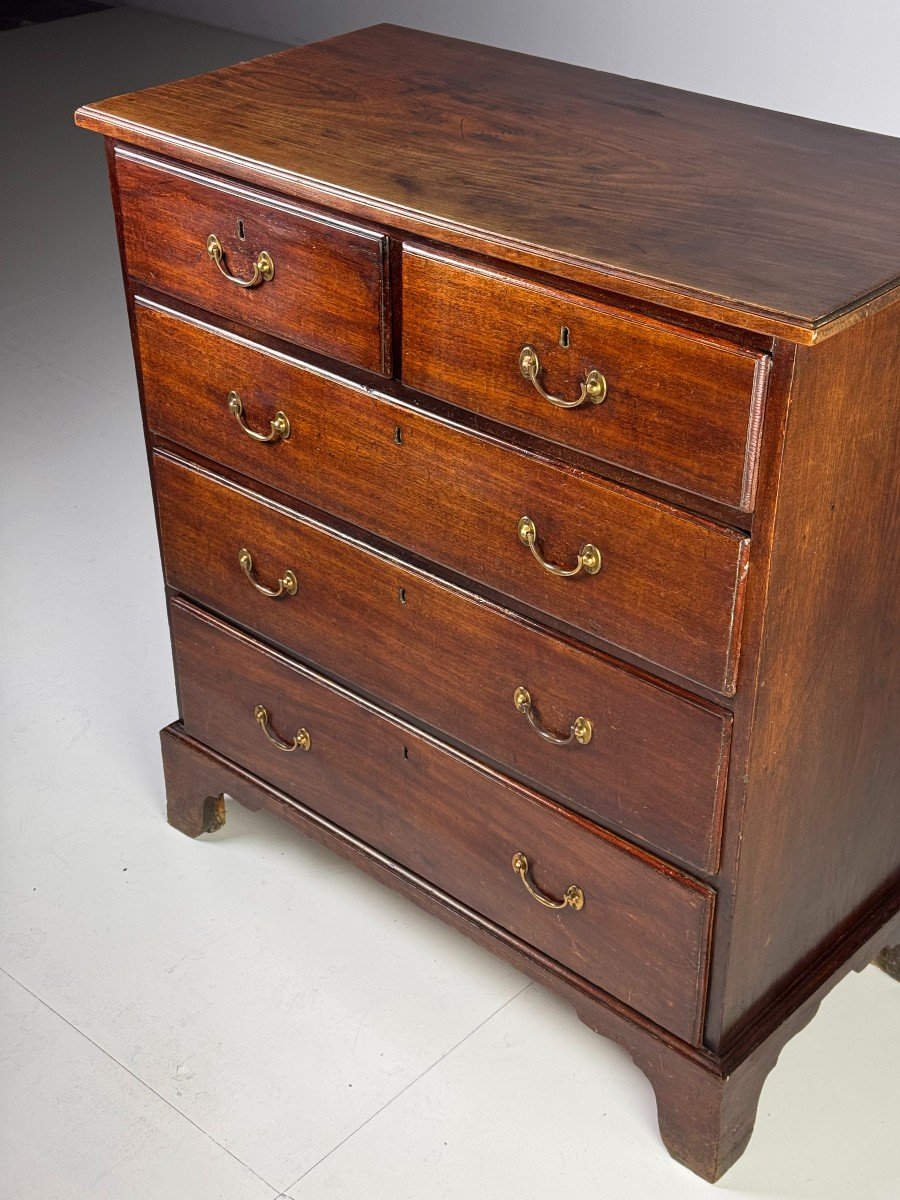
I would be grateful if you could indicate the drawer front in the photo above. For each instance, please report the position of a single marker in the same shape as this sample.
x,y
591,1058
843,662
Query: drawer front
x,y
655,764
643,931
328,289
668,585
675,406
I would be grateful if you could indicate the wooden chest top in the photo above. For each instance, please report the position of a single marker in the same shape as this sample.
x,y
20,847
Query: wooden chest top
x,y
771,222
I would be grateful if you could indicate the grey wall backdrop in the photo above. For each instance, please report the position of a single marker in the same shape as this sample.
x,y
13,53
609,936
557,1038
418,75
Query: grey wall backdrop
x,y
828,59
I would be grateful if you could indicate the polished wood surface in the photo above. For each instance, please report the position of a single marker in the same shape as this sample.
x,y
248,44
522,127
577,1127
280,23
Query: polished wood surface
x,y
820,834
644,929
736,830
769,220
670,585
656,765
329,289
680,408
706,1104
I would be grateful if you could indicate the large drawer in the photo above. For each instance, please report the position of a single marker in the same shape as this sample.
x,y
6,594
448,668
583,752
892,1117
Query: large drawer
x,y
671,405
668,586
328,287
642,932
655,763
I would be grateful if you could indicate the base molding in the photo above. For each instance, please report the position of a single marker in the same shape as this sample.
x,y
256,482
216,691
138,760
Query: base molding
x,y
706,1103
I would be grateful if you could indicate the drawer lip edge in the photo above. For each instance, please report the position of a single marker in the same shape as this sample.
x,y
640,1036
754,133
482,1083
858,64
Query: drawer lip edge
x,y
177,730
730,533
499,269
247,486
804,330
747,396
588,827
260,195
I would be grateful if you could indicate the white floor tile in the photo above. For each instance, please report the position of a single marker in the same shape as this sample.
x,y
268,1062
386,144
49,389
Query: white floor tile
x,y
829,1114
75,1126
273,994
533,1106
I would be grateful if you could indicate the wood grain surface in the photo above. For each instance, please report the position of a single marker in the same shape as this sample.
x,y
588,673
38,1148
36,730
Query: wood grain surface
x,y
820,824
670,585
656,765
706,1103
644,929
772,221
684,409
329,290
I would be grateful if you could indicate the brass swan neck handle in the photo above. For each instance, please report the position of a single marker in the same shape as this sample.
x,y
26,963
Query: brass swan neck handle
x,y
593,386
580,731
279,425
300,741
263,268
574,897
287,584
589,558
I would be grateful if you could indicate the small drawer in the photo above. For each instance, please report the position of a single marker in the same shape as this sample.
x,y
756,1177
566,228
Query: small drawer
x,y
632,926
639,757
671,405
611,563
309,279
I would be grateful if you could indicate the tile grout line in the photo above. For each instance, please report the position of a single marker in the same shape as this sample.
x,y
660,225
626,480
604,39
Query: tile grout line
x,y
412,1083
276,1195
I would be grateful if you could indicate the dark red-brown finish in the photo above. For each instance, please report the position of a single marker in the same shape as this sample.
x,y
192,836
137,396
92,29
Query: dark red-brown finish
x,y
656,765
750,257
670,585
680,408
329,289
769,220
643,932
820,835
706,1104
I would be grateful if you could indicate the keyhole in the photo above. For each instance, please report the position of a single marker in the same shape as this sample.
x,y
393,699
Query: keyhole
x,y
406,751
398,436
403,595
241,230
564,337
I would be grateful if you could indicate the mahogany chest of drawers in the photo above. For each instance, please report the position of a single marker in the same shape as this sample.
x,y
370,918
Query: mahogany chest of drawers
x,y
523,442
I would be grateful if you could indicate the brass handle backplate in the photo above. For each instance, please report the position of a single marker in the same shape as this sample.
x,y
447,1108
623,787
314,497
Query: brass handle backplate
x,y
580,731
287,584
279,426
574,897
263,268
593,386
589,559
300,741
